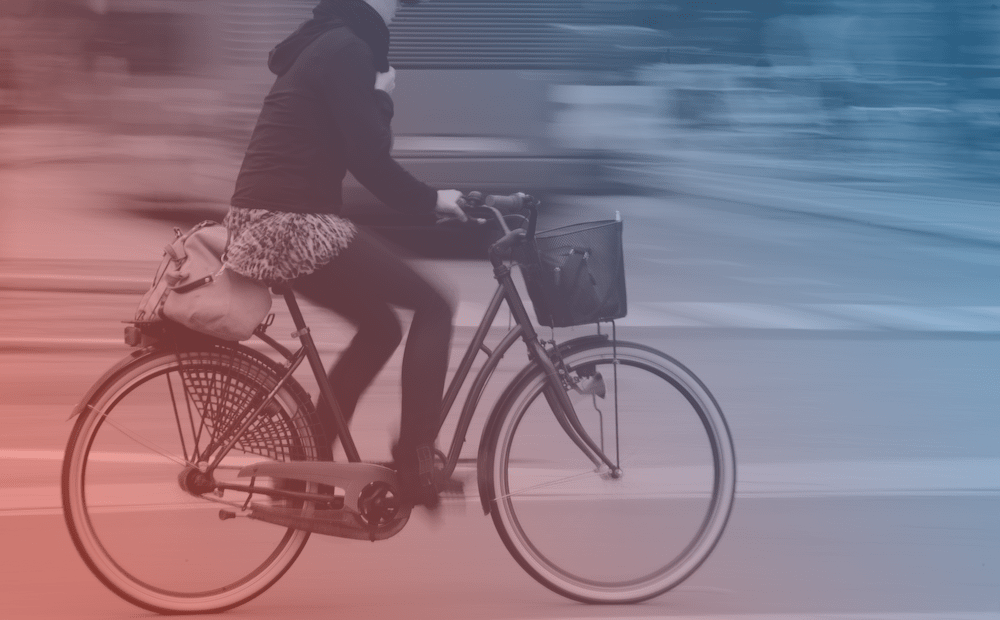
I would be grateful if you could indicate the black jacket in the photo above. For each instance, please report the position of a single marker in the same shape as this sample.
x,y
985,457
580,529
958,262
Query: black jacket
x,y
323,117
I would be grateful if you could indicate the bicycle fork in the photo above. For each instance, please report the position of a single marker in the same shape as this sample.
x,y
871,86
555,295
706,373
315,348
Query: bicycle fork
x,y
554,391
565,413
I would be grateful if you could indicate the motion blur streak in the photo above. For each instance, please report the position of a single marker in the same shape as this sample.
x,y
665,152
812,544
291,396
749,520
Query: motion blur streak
x,y
809,192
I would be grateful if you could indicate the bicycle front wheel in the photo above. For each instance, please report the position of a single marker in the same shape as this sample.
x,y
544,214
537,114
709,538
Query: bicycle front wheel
x,y
591,533
128,496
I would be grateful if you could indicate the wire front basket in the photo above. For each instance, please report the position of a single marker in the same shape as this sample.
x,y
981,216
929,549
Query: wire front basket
x,y
576,275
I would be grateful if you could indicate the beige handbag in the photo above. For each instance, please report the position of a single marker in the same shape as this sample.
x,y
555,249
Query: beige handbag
x,y
193,287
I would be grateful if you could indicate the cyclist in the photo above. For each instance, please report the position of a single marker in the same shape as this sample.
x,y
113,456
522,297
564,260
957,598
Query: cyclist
x,y
329,112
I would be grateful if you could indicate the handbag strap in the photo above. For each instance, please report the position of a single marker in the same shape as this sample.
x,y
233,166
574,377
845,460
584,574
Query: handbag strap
x,y
176,252
200,282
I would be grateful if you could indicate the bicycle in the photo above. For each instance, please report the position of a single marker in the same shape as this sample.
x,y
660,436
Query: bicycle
x,y
197,468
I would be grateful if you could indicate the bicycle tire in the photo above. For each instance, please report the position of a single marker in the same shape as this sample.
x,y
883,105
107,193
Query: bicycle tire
x,y
136,529
667,511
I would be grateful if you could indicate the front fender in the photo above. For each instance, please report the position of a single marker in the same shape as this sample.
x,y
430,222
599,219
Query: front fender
x,y
487,443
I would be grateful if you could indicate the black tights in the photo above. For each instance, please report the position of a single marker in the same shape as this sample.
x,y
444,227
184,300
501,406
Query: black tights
x,y
361,284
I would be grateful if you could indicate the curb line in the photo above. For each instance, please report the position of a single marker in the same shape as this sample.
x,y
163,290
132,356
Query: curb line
x,y
732,188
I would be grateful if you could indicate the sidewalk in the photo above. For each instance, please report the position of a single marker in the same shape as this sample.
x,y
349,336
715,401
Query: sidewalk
x,y
913,198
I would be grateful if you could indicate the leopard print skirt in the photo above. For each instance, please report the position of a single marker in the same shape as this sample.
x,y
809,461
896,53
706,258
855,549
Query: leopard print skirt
x,y
276,246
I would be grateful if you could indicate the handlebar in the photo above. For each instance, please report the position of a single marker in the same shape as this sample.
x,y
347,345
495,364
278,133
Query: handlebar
x,y
498,209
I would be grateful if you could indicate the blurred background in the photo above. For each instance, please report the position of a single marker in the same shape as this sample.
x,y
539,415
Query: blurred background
x,y
589,87
545,96
810,196
552,80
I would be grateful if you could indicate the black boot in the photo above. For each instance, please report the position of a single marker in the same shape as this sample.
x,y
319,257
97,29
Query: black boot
x,y
415,469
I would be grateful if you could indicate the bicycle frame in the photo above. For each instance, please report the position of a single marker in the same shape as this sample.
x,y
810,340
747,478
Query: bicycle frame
x,y
523,329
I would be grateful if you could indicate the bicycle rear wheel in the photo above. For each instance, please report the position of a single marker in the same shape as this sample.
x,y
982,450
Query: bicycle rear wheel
x,y
578,529
145,429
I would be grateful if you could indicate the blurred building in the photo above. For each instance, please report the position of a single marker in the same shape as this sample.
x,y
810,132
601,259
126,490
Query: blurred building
x,y
905,78
473,93
516,94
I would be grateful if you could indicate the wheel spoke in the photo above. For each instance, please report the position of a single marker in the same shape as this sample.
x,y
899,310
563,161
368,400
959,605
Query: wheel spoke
x,y
543,485
144,442
177,418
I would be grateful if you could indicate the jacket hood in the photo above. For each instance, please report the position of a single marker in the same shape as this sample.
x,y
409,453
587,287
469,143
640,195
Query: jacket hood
x,y
284,55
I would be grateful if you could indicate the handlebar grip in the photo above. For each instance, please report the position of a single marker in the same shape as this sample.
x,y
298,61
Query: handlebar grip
x,y
506,204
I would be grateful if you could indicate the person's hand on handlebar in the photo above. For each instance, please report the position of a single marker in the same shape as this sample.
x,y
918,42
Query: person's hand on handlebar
x,y
449,207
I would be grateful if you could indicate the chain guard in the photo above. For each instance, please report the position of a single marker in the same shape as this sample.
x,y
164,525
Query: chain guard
x,y
369,512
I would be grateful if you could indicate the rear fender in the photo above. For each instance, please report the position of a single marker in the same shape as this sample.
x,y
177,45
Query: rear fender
x,y
128,360
157,337
181,341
